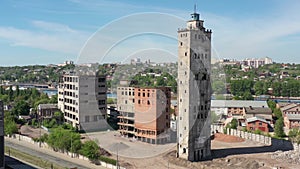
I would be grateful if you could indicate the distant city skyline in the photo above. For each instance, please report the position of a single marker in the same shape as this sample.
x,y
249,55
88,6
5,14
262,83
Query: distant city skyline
x,y
48,32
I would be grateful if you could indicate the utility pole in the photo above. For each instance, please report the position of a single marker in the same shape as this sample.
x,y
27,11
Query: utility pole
x,y
40,130
71,147
117,156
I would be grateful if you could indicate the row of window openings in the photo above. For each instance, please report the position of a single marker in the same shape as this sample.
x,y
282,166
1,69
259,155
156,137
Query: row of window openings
x,y
150,132
66,93
70,79
95,118
70,108
183,35
72,116
70,87
125,93
70,101
140,102
196,56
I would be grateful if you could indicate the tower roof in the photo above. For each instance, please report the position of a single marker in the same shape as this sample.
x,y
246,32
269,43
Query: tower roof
x,y
195,15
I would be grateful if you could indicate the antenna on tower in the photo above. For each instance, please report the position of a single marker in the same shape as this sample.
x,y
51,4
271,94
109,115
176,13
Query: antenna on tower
x,y
195,8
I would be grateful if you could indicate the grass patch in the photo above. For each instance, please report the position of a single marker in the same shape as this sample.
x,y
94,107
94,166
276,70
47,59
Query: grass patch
x,y
30,158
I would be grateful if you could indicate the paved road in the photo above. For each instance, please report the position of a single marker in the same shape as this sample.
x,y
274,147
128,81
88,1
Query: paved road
x,y
46,156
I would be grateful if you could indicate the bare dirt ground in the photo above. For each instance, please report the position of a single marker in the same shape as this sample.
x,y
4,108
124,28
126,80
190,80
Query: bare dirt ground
x,y
238,154
32,132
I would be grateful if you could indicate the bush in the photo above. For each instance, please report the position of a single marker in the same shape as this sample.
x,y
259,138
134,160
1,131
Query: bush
x,y
257,131
108,160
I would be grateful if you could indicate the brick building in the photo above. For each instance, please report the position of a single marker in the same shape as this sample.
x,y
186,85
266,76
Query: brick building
x,y
144,113
257,123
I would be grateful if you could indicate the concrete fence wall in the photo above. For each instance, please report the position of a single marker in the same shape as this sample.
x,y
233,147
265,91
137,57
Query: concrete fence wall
x,y
245,135
73,155
279,144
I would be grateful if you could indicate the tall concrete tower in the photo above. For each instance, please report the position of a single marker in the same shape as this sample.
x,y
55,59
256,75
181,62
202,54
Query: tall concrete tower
x,y
194,90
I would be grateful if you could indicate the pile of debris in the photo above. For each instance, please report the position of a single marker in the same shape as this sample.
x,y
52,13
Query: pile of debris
x,y
289,156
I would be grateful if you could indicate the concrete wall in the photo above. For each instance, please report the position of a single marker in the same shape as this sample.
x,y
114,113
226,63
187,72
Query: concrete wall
x,y
275,144
245,135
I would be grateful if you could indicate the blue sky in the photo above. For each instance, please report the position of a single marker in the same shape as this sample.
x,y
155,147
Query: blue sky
x,y
52,31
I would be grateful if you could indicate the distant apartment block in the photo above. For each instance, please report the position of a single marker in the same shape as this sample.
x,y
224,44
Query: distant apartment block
x,y
2,165
144,113
255,63
82,99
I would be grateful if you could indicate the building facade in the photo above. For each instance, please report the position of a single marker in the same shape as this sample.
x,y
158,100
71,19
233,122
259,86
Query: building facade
x,y
194,91
145,113
47,110
82,99
125,105
2,159
255,63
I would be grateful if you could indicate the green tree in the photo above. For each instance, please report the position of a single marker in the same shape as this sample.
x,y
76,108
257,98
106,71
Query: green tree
x,y
10,126
234,123
214,117
294,135
21,107
271,104
247,96
90,149
277,113
279,132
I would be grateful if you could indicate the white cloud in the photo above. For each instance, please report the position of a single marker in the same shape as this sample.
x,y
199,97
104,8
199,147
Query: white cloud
x,y
255,37
48,36
54,27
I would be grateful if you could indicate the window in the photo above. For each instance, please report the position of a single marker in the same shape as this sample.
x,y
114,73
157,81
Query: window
x,y
181,43
95,117
260,123
196,76
87,118
139,101
148,102
167,117
101,102
185,54
101,80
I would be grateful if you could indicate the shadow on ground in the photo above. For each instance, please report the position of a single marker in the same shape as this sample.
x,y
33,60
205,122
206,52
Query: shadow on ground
x,y
277,144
